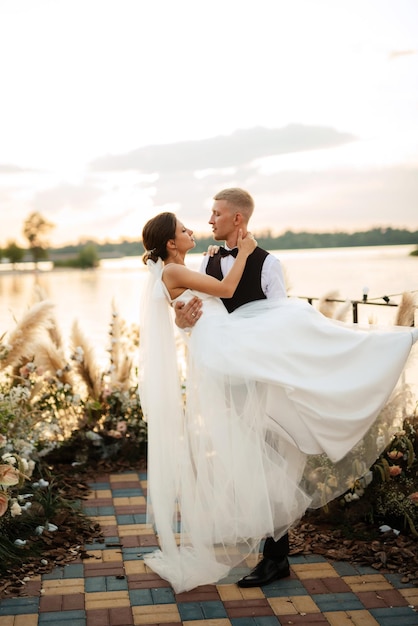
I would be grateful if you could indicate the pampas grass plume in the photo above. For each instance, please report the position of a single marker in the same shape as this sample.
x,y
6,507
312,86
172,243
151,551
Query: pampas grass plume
x,y
22,340
406,310
326,307
87,368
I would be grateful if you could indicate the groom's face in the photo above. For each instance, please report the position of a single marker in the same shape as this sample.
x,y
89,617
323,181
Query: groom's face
x,y
223,220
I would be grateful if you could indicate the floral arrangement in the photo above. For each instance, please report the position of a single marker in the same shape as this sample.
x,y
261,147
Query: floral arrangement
x,y
59,405
65,399
393,494
15,469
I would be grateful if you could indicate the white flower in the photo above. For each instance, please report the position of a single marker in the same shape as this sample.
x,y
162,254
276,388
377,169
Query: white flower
x,y
380,441
39,530
9,458
59,373
31,467
20,542
79,354
93,436
24,496
51,527
384,528
41,483
367,478
15,509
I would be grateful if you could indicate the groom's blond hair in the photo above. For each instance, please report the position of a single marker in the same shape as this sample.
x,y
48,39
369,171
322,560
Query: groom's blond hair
x,y
239,199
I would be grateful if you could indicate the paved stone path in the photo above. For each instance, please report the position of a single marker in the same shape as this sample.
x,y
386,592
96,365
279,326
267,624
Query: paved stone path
x,y
114,587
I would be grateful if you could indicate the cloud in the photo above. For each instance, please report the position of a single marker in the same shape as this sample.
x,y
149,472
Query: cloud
x,y
342,199
6,168
396,54
237,149
78,197
332,199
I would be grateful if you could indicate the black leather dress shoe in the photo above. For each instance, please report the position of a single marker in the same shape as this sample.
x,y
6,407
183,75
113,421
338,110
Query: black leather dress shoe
x,y
265,572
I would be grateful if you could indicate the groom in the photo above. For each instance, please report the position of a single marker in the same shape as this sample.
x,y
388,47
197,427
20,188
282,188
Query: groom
x,y
262,278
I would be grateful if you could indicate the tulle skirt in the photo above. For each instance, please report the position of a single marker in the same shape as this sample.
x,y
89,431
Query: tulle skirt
x,y
281,409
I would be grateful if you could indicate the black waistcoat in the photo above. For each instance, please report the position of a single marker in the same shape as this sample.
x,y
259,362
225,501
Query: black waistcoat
x,y
249,287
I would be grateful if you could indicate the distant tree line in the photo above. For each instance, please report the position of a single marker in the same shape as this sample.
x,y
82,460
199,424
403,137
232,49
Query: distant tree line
x,y
87,254
374,237
287,241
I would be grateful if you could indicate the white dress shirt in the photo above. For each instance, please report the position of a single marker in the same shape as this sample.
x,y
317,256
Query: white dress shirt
x,y
272,278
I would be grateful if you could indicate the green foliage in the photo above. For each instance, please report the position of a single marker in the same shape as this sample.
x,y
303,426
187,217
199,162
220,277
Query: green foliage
x,y
13,252
287,241
374,237
392,496
87,254
87,258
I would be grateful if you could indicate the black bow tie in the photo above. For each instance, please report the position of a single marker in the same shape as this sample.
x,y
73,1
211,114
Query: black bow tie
x,y
224,252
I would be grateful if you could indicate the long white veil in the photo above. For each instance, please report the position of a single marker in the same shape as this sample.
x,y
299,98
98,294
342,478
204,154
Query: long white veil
x,y
161,401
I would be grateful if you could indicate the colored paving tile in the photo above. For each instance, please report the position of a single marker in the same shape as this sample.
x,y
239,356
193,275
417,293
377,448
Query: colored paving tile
x,y
112,586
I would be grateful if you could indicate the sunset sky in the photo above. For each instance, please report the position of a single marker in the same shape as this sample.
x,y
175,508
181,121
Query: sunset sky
x,y
114,110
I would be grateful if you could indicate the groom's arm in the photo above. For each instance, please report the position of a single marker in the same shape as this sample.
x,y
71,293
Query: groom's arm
x,y
273,281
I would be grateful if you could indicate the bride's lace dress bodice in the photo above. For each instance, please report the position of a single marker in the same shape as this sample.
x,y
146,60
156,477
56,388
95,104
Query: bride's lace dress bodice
x,y
210,304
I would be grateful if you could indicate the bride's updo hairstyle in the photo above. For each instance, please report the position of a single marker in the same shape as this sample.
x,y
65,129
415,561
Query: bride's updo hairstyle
x,y
155,235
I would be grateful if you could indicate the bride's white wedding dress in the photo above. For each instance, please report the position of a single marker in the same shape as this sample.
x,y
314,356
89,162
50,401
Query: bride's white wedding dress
x,y
281,407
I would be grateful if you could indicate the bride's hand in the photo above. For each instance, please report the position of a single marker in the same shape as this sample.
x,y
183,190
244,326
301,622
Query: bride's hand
x,y
247,244
212,249
188,314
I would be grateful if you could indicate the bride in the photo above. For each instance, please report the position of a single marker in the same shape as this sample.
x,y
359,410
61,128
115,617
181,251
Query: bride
x,y
224,470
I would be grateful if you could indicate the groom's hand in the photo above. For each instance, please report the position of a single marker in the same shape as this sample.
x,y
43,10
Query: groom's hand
x,y
188,314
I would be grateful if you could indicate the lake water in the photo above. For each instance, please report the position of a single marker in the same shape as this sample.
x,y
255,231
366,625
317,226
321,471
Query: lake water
x,y
86,295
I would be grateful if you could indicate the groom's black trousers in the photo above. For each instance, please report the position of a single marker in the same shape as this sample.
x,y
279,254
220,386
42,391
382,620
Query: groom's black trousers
x,y
276,550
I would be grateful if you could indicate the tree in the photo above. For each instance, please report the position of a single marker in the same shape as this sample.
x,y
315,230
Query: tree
x,y
88,256
36,229
13,252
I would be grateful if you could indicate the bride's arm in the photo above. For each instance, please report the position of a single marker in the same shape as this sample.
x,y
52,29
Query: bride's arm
x,y
177,278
